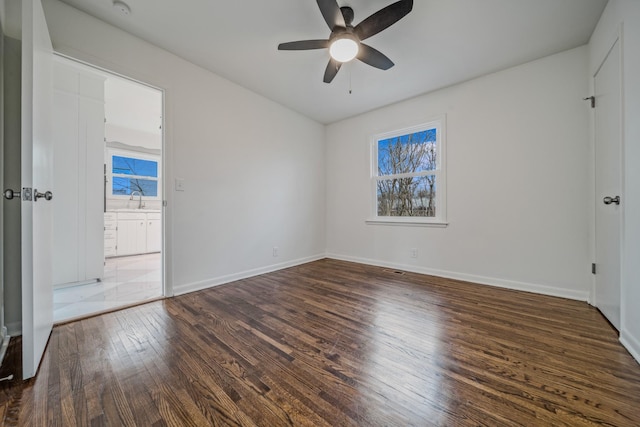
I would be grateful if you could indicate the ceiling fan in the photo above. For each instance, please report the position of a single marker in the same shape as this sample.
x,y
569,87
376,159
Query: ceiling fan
x,y
345,41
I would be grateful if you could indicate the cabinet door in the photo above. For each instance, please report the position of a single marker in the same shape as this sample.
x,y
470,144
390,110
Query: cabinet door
x,y
154,236
92,117
127,237
66,233
110,234
141,236
78,149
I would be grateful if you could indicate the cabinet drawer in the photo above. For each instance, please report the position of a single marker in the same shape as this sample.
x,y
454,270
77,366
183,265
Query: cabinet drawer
x,y
110,216
131,215
110,247
110,234
110,225
154,215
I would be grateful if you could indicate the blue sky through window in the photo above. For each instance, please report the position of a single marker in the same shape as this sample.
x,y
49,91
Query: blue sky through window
x,y
406,154
133,174
131,166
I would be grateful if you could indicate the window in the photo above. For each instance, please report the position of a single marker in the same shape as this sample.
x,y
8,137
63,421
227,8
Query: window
x,y
408,179
134,172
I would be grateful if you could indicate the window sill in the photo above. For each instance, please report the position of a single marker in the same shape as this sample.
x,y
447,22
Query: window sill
x,y
411,222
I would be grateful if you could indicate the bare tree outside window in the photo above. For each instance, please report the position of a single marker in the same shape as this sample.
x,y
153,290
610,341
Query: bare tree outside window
x,y
132,174
405,186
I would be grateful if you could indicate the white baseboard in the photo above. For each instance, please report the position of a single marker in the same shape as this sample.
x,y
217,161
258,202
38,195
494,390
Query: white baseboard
x,y
14,329
216,281
491,281
631,343
4,343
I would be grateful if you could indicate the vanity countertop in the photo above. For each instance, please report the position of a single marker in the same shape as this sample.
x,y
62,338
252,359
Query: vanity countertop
x,y
135,210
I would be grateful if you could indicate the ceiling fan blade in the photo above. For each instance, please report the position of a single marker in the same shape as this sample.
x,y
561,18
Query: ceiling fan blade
x,y
304,45
384,18
332,69
331,13
373,57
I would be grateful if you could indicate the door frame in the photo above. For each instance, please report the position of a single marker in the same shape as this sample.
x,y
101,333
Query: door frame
x,y
4,336
616,37
167,287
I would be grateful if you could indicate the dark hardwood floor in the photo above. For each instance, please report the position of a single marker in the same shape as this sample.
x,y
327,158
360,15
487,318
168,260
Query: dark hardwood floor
x,y
332,343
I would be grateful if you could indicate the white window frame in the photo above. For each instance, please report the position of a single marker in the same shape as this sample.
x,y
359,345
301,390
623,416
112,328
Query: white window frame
x,y
137,155
440,220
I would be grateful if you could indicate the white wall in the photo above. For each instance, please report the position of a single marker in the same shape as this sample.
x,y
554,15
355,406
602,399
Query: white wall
x,y
627,13
253,170
133,137
517,169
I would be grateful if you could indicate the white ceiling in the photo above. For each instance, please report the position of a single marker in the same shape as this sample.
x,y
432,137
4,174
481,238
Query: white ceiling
x,y
440,43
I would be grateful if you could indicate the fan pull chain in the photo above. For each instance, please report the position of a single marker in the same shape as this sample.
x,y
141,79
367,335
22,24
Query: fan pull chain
x,y
350,79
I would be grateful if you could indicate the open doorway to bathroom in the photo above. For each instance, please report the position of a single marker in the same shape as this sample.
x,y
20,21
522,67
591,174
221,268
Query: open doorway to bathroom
x,y
108,161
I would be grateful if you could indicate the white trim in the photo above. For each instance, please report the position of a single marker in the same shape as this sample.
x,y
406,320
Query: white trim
x,y
102,69
14,329
216,281
482,280
631,344
163,195
74,284
4,343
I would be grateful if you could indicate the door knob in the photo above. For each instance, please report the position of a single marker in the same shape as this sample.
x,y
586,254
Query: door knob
x,y
48,195
609,200
10,194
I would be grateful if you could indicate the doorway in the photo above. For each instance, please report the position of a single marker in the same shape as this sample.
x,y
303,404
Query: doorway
x,y
108,165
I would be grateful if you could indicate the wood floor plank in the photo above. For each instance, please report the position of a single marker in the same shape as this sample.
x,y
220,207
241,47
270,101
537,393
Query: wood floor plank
x,y
332,343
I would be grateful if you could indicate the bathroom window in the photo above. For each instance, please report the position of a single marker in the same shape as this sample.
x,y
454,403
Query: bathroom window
x,y
134,173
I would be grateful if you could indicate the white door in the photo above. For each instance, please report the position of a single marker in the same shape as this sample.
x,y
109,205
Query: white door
x,y
37,173
3,332
608,184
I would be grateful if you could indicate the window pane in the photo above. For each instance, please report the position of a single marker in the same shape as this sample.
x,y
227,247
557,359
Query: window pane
x,y
407,196
132,166
124,186
414,152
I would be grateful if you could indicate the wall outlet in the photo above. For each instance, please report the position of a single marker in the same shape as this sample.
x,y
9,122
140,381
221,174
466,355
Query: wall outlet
x,y
179,184
275,251
414,252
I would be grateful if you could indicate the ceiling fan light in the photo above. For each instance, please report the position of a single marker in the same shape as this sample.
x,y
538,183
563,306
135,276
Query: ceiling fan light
x,y
344,49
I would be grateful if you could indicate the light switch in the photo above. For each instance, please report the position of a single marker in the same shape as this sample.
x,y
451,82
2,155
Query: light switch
x,y
179,184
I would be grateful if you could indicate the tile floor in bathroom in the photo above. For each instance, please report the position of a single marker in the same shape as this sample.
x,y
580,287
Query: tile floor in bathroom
x,y
127,281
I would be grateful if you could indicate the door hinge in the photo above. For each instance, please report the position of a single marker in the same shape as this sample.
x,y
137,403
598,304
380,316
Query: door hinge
x,y
593,268
164,203
592,99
